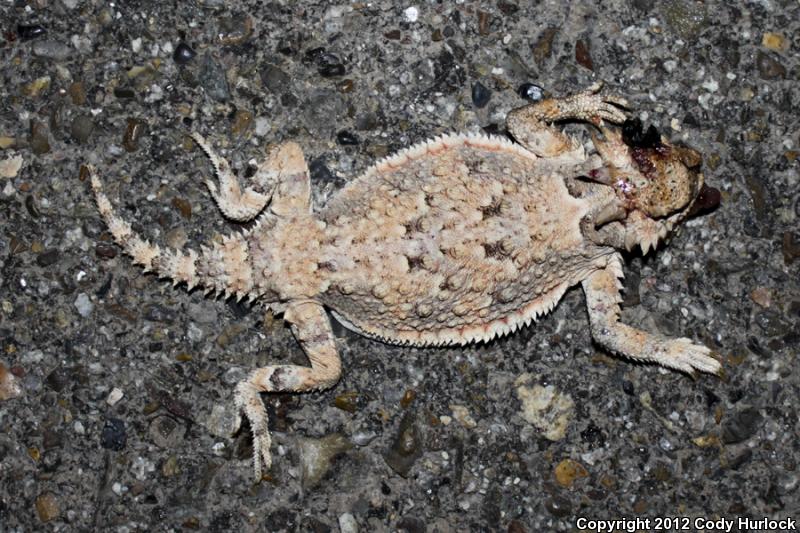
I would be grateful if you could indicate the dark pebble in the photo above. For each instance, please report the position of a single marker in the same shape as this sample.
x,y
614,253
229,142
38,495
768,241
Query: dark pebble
x,y
158,313
312,55
105,287
26,33
113,436
771,323
50,257
406,448
530,92
480,95
791,247
345,138
52,438
367,121
582,54
213,79
769,68
105,250
393,35
183,53
59,378
633,134
627,387
314,525
275,79
133,132
124,93
411,524
38,140
707,199
81,128
515,526
30,205
558,506
741,425
543,48
507,8
330,70
282,520
740,460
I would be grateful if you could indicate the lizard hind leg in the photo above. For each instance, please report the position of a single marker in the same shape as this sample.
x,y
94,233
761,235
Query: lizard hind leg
x,y
311,327
284,165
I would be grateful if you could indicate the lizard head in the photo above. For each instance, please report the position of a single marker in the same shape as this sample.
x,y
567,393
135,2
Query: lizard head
x,y
656,184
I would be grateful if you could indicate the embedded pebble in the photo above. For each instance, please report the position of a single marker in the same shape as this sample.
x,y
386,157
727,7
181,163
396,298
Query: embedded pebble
x,y
548,409
557,506
567,471
275,79
183,53
81,128
345,138
114,396
133,132
741,425
113,436
52,50
462,415
38,139
316,456
347,523
480,95
406,447
9,167
222,422
530,92
235,30
213,80
9,384
47,507
166,432
769,68
84,305
170,467
363,437
329,65
583,55
411,14
28,32
775,41
48,258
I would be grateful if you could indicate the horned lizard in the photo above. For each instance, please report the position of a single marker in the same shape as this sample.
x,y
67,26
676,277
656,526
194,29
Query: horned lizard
x,y
458,239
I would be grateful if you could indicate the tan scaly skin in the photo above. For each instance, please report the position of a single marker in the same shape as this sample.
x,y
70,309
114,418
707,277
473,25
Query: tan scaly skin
x,y
455,240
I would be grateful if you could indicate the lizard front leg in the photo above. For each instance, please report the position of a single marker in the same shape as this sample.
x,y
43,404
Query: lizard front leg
x,y
311,327
284,163
602,299
531,125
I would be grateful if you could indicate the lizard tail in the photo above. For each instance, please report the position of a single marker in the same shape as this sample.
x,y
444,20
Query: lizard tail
x,y
173,264
224,267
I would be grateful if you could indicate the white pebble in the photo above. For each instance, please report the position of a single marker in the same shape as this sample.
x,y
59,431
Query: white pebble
x,y
347,523
411,14
114,396
84,305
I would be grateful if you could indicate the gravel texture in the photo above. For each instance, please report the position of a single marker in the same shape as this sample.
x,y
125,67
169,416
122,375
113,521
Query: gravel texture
x,y
124,418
